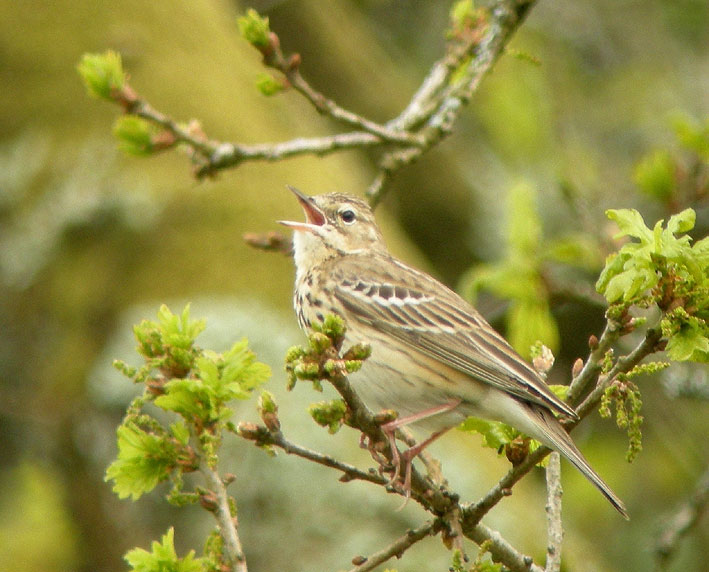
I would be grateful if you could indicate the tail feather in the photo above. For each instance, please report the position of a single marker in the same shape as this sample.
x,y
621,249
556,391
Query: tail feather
x,y
556,437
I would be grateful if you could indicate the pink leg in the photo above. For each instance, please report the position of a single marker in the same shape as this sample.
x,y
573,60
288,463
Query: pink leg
x,y
409,455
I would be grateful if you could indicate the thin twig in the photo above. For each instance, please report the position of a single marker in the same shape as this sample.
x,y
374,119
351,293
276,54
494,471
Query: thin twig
x,y
399,546
434,498
502,551
623,364
350,472
289,66
330,108
436,106
472,514
197,141
225,519
211,156
589,373
555,529
232,154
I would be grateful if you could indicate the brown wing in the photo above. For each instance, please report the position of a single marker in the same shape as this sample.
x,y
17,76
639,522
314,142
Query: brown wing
x,y
421,312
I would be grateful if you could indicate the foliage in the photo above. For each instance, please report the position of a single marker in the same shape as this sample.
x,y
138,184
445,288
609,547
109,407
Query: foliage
x,y
254,29
677,176
519,276
135,135
329,414
163,558
662,267
102,74
196,388
320,360
495,434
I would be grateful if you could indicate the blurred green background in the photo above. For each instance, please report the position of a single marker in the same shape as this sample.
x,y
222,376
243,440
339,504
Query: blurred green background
x,y
92,241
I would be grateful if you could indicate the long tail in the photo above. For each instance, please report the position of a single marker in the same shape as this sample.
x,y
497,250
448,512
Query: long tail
x,y
557,438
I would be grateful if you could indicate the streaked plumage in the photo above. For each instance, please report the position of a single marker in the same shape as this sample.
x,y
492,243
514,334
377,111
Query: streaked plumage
x,y
429,346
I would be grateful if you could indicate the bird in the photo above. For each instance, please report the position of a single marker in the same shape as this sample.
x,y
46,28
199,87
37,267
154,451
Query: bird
x,y
434,358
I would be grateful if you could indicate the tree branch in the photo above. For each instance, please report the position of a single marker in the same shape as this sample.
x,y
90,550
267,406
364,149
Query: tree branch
x,y
624,364
227,522
399,546
427,119
435,107
592,368
555,529
473,513
501,550
262,436
227,155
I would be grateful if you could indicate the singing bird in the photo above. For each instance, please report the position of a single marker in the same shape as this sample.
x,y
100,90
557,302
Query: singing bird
x,y
435,359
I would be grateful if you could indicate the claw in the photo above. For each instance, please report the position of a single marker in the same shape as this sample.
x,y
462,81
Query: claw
x,y
408,456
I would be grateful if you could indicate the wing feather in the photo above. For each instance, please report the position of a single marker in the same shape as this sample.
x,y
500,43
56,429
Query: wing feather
x,y
419,311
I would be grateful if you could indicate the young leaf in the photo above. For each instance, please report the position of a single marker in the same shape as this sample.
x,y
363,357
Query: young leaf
x,y
102,74
163,558
144,460
269,85
255,29
631,223
134,134
524,227
655,175
495,434
690,342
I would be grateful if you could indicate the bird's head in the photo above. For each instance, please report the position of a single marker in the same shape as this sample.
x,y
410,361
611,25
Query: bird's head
x,y
335,224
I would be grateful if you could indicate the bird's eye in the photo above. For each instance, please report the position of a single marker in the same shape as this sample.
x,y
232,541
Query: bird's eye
x,y
348,216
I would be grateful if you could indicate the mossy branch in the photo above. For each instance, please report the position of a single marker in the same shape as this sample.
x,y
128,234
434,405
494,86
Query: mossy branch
x,y
475,42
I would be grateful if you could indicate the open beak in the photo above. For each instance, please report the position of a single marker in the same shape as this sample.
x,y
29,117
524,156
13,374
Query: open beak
x,y
314,217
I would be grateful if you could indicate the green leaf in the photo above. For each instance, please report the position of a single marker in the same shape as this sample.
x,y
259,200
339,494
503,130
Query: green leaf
x,y
658,257
681,222
631,223
269,85
168,344
144,460
655,175
180,331
102,74
575,250
255,29
495,434
240,366
637,276
531,320
218,380
692,134
524,230
180,432
561,391
134,134
690,343
163,558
